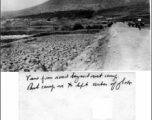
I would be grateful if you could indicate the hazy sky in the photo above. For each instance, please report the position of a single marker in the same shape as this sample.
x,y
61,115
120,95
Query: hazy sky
x,y
7,5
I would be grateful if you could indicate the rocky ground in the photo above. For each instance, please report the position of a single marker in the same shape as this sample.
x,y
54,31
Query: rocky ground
x,y
117,48
47,53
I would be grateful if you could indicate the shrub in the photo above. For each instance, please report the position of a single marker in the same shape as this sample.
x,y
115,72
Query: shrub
x,y
77,26
55,28
104,22
94,27
88,27
66,28
48,19
110,24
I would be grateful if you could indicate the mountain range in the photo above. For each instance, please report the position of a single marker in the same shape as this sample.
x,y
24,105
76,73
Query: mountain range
x,y
65,5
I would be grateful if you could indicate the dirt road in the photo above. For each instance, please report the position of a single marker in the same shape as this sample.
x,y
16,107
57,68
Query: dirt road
x,y
130,49
127,48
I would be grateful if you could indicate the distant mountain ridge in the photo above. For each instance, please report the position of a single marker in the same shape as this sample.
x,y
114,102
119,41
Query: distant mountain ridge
x,y
62,5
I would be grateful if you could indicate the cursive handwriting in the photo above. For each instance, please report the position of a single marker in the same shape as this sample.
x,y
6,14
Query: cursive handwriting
x,y
116,85
28,77
77,80
32,87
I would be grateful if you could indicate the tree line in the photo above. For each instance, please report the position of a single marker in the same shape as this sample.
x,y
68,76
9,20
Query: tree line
x,y
62,14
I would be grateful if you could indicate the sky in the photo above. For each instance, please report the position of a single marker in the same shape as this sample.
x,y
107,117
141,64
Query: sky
x,y
9,5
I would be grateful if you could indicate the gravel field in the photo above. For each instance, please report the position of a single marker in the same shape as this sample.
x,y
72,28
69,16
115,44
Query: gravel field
x,y
47,53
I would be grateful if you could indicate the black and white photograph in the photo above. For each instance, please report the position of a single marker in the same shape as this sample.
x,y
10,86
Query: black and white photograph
x,y
75,35
75,59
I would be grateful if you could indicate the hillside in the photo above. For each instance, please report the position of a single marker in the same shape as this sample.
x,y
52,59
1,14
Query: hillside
x,y
60,5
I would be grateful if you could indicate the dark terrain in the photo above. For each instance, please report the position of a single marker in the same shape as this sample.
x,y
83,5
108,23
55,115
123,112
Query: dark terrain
x,y
68,5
